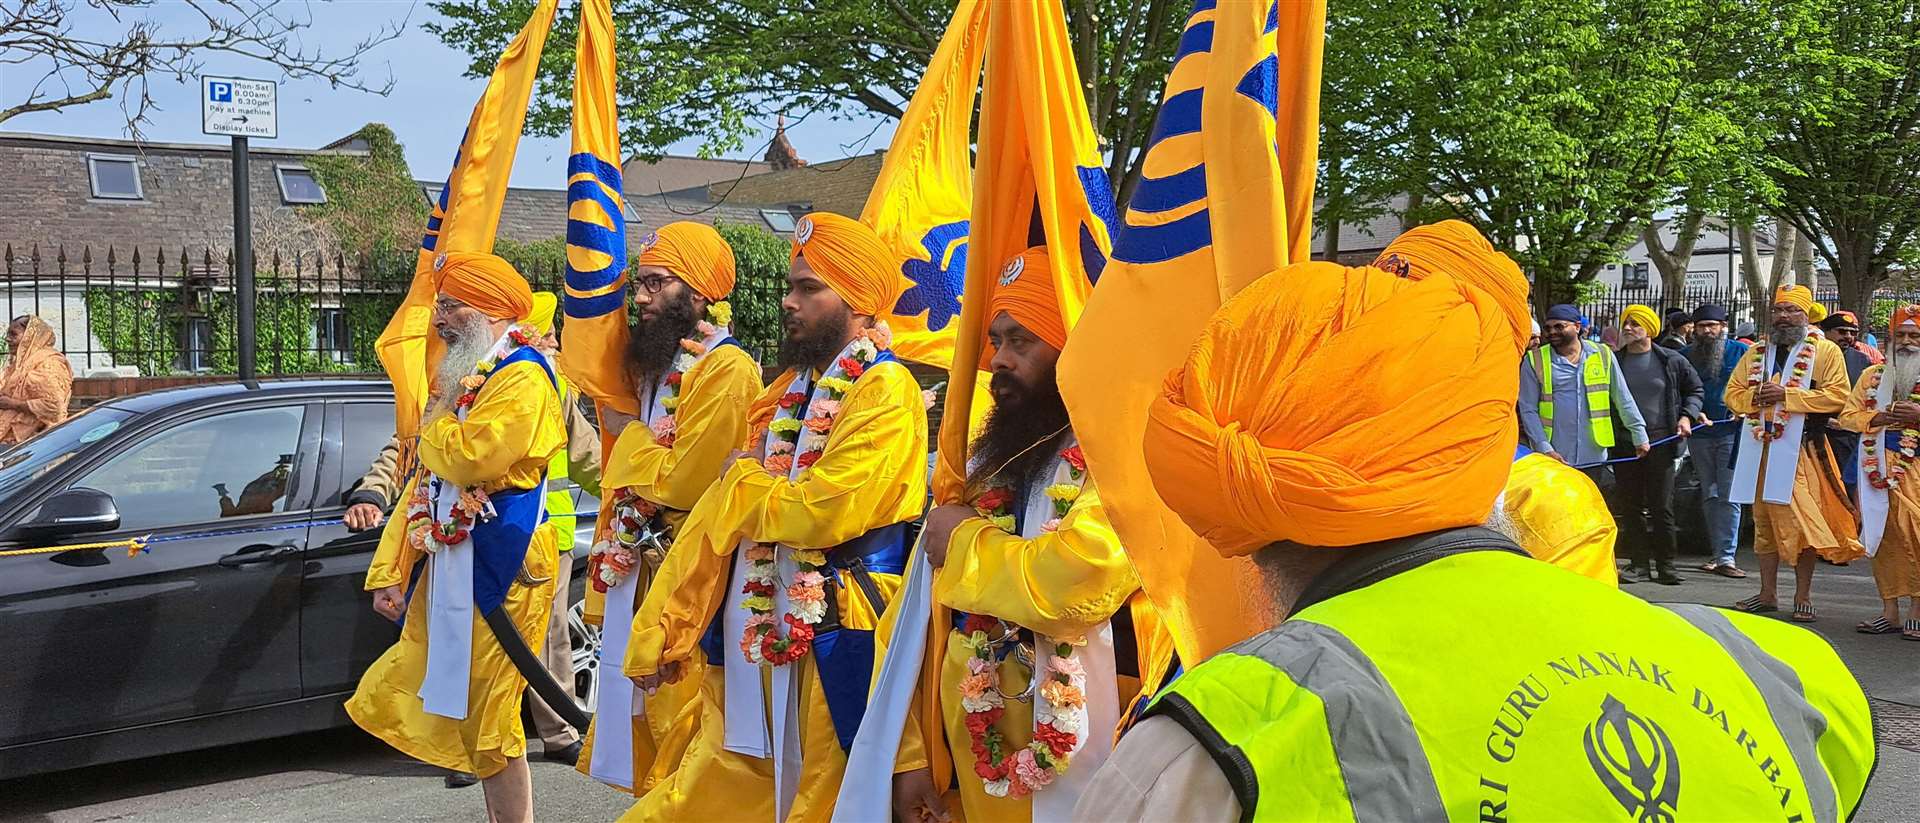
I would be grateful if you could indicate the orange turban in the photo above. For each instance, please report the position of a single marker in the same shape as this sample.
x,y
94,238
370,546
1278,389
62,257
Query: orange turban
x,y
1457,248
851,258
485,282
1335,406
1027,293
1800,296
694,252
1903,315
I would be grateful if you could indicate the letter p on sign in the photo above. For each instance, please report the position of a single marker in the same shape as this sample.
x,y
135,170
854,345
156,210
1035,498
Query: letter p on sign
x,y
220,92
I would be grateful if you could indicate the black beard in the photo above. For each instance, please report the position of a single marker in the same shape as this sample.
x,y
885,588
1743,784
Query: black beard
x,y
652,345
812,344
1011,448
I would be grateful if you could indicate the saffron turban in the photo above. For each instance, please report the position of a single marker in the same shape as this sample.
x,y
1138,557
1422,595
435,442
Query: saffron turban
x,y
1800,297
693,252
1027,293
1817,313
1642,316
1903,315
541,316
1456,248
484,281
1335,406
851,258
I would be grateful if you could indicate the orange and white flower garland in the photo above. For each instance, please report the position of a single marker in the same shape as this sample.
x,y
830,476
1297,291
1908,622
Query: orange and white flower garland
x,y
1769,424
797,437
1871,446
423,531
1060,716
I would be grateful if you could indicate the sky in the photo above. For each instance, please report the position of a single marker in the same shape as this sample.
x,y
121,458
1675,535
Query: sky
x,y
427,108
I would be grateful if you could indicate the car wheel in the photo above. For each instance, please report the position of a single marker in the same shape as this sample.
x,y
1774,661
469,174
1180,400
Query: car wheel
x,y
585,641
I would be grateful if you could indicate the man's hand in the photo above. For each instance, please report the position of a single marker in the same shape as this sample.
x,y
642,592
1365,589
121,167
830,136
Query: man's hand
x,y
1905,414
1684,428
363,516
615,421
938,531
1556,456
1769,393
668,674
390,602
914,799
1641,449
11,404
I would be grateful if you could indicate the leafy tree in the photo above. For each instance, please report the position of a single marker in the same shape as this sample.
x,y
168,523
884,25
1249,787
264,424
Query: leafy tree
x,y
760,282
706,70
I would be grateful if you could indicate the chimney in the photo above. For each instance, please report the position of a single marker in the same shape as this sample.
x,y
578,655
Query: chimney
x,y
780,154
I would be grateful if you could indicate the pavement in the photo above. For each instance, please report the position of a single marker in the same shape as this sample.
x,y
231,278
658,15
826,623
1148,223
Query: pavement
x,y
344,775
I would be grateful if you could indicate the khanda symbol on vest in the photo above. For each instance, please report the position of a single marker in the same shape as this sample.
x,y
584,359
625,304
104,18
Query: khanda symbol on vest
x,y
1636,761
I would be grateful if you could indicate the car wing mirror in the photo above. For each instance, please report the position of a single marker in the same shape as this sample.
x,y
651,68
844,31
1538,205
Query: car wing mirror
x,y
78,510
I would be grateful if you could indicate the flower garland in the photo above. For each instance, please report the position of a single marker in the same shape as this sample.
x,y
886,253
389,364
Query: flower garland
x,y
1061,715
797,438
424,532
1769,424
1871,445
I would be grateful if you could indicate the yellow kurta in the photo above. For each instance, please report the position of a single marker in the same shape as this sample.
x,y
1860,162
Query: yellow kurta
x,y
1559,517
710,423
872,474
1896,564
513,429
1061,585
1818,516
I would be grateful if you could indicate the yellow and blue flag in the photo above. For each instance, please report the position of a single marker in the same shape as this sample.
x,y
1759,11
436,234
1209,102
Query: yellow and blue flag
x,y
596,328
1226,198
1038,179
465,217
920,201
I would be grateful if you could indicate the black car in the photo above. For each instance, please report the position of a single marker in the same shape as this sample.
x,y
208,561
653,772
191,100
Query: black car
x,y
243,617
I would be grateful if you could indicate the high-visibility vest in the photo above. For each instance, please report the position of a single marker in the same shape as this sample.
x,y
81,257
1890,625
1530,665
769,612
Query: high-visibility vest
x,y
559,491
1596,372
1487,686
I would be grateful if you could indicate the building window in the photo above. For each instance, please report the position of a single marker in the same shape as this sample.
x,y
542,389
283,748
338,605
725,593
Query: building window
x,y
330,334
196,344
298,188
626,208
780,220
114,177
1633,276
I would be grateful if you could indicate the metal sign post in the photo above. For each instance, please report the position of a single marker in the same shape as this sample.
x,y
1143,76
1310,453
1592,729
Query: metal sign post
x,y
241,108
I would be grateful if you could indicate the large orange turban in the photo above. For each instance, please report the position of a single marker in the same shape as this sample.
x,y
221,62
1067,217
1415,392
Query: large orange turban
x,y
1334,406
1799,296
694,252
851,258
1027,293
1457,248
485,282
1903,315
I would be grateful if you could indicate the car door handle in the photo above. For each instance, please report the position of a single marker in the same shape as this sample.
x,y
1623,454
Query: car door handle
x,y
252,555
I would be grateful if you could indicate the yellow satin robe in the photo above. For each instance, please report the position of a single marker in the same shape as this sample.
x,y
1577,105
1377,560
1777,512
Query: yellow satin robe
x,y
1559,517
513,429
1896,564
1062,585
1818,516
872,474
710,422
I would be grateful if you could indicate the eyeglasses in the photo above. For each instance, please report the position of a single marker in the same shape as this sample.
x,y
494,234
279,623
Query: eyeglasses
x,y
653,283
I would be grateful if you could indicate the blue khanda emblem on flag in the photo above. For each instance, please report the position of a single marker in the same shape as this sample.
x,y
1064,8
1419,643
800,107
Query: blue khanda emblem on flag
x,y
939,279
1180,114
596,237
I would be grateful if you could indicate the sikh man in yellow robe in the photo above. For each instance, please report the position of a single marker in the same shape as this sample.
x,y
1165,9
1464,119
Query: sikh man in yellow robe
x,y
470,542
779,574
1033,573
1786,387
1884,411
692,384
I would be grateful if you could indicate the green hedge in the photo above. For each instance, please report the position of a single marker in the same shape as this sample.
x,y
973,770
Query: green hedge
x,y
143,328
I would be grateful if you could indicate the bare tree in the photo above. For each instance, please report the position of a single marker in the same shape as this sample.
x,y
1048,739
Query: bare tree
x,y
80,62
1791,253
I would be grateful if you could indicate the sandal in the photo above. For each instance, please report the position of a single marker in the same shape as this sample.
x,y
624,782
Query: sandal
x,y
1911,630
1754,605
1878,625
1730,570
1803,613
1709,566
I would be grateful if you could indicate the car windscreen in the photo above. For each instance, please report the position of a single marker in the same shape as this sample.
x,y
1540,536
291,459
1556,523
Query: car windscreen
x,y
20,465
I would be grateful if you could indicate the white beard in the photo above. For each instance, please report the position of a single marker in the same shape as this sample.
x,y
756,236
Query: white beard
x,y
1896,382
470,343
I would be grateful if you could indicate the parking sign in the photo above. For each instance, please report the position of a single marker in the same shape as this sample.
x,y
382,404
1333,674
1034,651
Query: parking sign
x,y
238,107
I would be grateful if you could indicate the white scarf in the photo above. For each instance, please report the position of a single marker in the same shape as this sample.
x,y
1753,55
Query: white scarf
x,y
1778,487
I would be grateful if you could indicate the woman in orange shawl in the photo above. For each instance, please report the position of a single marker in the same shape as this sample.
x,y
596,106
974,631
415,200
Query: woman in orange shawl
x,y
37,382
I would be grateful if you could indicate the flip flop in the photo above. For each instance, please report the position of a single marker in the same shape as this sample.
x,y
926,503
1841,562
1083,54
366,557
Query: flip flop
x,y
1804,614
1911,630
1709,566
1754,605
1730,571
1878,625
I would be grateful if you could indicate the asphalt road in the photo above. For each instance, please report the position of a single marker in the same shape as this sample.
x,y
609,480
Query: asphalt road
x,y
344,775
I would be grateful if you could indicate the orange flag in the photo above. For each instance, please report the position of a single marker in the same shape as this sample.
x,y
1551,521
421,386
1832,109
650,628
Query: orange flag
x,y
1226,197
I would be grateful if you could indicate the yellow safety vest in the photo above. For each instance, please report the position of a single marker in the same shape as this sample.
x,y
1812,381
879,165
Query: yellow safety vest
x,y
559,491
1596,372
1487,686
